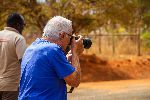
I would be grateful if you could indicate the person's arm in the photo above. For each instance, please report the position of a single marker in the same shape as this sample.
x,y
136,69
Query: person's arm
x,y
74,78
20,49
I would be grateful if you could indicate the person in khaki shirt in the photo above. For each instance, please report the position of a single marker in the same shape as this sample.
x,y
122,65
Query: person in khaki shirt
x,y
12,47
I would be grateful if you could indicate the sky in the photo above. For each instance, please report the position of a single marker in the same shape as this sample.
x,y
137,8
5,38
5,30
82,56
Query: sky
x,y
41,1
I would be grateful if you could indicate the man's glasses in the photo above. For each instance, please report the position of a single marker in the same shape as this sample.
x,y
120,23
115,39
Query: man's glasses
x,y
71,37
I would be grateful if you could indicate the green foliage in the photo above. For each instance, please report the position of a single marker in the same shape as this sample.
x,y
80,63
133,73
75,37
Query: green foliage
x,y
87,15
146,39
145,35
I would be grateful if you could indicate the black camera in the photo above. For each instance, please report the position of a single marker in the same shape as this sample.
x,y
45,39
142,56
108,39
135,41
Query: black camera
x,y
86,42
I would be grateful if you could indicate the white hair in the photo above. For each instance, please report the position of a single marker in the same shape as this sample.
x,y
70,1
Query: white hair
x,y
57,25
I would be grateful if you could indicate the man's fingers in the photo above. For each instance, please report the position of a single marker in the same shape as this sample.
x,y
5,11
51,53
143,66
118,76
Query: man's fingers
x,y
80,38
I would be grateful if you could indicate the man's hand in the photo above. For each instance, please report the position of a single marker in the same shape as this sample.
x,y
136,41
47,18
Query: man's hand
x,y
77,45
79,50
76,49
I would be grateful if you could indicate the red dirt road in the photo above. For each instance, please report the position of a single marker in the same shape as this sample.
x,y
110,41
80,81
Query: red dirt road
x,y
100,69
101,79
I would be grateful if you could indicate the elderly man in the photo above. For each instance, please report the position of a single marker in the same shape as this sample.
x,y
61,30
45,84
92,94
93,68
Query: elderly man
x,y
12,47
45,69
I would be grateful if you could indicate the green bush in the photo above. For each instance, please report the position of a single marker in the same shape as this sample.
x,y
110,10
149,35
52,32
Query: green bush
x,y
145,37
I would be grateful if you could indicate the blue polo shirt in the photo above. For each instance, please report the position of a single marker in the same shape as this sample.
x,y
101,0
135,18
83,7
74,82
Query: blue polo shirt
x,y
43,68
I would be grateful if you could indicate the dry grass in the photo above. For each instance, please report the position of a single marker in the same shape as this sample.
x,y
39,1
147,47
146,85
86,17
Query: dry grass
x,y
106,46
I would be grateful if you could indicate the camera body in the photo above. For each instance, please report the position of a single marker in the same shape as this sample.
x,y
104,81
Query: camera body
x,y
86,42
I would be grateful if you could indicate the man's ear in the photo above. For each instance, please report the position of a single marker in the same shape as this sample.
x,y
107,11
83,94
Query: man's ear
x,y
61,35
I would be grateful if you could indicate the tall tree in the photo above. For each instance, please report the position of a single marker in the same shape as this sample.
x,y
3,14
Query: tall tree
x,y
87,15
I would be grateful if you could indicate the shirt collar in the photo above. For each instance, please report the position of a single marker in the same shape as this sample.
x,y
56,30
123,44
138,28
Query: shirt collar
x,y
11,29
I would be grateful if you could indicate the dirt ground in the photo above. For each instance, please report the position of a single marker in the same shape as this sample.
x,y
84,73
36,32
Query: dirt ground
x,y
101,69
124,78
113,90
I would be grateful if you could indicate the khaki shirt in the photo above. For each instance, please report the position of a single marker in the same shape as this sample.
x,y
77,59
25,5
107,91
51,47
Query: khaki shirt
x,y
12,47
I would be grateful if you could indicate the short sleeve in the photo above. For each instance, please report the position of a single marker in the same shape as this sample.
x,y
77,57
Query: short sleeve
x,y
20,48
61,65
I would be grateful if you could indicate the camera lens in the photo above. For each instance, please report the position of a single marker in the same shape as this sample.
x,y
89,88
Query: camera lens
x,y
87,43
